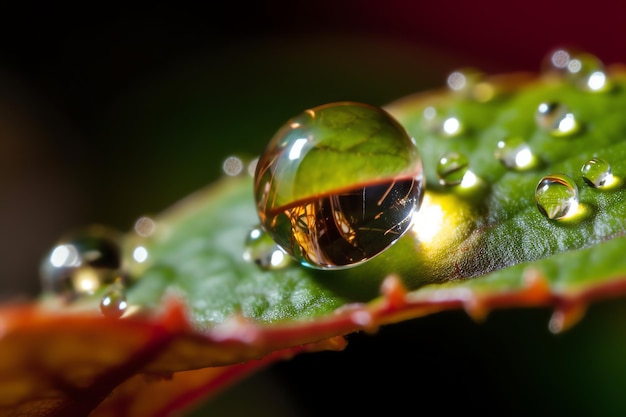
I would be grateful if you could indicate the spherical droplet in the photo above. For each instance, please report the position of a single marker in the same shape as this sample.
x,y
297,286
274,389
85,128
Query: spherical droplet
x,y
514,153
80,263
584,70
556,196
261,249
451,126
232,166
113,303
597,173
587,72
556,119
469,83
338,184
145,226
451,168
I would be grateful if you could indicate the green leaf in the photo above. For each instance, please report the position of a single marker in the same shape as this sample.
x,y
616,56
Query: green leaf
x,y
477,245
491,231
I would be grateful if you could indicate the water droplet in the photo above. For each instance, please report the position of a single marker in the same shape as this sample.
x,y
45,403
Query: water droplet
x,y
82,262
556,196
514,153
252,166
556,119
587,72
597,173
113,303
338,184
451,168
232,166
452,126
263,251
582,69
145,226
469,82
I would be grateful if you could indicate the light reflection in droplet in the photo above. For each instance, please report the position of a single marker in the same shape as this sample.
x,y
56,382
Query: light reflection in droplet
x,y
140,254
451,126
86,280
64,256
469,180
296,149
597,81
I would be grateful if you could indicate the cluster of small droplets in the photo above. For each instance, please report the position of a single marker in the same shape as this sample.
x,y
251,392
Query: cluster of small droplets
x,y
92,261
557,194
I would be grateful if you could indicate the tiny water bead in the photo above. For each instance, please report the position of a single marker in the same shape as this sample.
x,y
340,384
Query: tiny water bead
x,y
338,184
113,303
584,70
451,168
263,251
556,196
515,154
82,262
556,119
597,173
232,166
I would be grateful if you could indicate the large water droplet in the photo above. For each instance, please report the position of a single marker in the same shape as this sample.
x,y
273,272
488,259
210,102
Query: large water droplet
x,y
82,262
113,303
451,168
261,249
338,184
556,119
514,153
556,196
598,173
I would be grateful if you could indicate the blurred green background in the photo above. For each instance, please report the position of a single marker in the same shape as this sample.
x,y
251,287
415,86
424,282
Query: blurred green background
x,y
109,114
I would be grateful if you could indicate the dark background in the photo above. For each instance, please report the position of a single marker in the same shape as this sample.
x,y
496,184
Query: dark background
x,y
108,113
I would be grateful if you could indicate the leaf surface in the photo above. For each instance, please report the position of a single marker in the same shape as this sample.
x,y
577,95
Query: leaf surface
x,y
196,303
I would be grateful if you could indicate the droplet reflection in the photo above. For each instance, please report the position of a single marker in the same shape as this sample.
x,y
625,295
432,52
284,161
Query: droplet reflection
x,y
556,196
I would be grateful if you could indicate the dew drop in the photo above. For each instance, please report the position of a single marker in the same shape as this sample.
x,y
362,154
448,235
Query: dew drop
x,y
584,70
556,196
113,303
451,126
587,72
145,226
597,173
469,83
556,119
338,184
451,168
82,262
261,249
232,166
514,153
